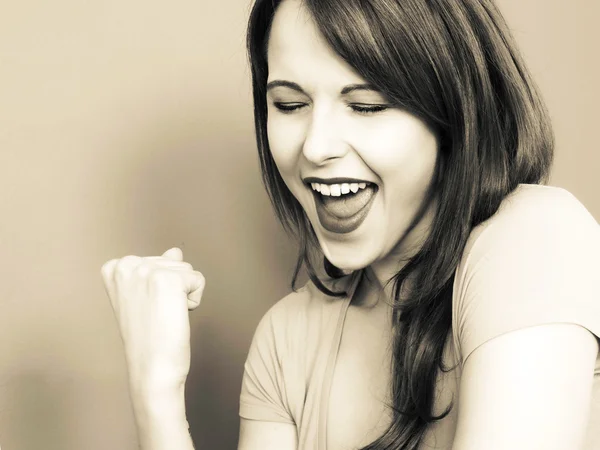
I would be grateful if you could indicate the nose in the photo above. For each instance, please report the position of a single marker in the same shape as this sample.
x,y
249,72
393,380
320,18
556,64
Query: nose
x,y
323,141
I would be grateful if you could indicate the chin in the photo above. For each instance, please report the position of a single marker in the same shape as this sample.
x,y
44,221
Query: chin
x,y
349,261
348,255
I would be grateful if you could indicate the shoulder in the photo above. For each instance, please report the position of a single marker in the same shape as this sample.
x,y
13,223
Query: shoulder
x,y
300,315
535,215
306,301
534,262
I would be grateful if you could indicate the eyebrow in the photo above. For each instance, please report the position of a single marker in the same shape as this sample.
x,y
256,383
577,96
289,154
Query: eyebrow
x,y
359,87
345,90
284,83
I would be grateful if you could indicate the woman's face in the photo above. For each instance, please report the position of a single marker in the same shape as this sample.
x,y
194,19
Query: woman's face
x,y
359,167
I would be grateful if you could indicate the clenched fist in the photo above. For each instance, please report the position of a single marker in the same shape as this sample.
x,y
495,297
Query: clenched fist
x,y
151,297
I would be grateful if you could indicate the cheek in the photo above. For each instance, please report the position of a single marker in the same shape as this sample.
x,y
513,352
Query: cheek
x,y
285,142
403,154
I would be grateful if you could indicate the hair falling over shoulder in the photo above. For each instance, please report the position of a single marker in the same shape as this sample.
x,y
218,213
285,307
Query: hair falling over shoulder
x,y
455,65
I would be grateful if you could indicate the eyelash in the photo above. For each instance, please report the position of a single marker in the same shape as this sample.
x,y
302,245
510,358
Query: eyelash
x,y
288,108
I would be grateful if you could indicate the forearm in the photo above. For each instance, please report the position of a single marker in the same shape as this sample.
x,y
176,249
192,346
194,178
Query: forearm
x,y
161,419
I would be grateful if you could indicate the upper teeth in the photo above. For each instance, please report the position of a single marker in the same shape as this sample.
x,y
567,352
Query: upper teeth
x,y
337,189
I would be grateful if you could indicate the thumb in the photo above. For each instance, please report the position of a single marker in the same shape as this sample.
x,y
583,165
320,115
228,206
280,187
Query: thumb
x,y
174,254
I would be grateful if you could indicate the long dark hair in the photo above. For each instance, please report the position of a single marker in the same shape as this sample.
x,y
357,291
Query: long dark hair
x,y
454,64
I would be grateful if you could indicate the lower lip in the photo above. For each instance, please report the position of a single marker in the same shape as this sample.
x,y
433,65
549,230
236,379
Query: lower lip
x,y
339,225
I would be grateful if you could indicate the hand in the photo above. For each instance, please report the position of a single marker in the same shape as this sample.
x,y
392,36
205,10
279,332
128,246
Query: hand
x,y
150,297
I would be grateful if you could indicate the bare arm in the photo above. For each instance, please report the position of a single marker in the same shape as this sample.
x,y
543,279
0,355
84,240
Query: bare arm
x,y
161,423
528,389
151,297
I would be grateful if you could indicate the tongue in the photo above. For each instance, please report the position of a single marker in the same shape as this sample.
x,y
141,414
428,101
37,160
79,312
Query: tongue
x,y
347,205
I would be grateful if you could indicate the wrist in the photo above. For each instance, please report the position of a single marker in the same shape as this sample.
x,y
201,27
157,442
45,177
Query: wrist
x,y
161,417
152,383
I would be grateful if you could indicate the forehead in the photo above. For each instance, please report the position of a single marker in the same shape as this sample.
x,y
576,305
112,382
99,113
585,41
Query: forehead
x,y
298,52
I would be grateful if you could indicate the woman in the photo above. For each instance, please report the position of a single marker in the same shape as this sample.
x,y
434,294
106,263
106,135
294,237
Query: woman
x,y
404,144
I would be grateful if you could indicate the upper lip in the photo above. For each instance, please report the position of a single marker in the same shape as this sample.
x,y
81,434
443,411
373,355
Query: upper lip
x,y
336,180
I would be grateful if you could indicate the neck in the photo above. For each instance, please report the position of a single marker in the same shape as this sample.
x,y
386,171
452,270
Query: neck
x,y
379,282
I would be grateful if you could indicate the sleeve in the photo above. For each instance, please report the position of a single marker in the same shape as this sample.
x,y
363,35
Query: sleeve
x,y
538,263
263,395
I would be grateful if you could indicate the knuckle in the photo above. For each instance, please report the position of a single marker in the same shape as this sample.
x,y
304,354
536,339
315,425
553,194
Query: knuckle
x,y
120,273
130,260
125,264
107,269
142,270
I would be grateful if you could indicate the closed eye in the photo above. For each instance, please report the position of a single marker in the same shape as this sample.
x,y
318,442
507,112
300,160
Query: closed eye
x,y
368,109
288,107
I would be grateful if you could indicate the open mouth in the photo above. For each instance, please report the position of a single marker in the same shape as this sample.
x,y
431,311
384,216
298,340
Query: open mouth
x,y
342,207
346,199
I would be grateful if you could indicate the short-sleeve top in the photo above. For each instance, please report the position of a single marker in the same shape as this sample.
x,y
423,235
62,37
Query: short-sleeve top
x,y
535,261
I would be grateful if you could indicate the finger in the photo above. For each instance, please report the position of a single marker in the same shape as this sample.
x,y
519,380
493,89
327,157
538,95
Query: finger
x,y
174,254
194,283
186,282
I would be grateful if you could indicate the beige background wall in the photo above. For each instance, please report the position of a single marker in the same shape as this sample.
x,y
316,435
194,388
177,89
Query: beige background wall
x,y
125,128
